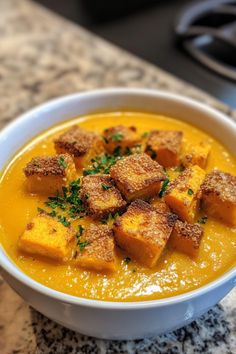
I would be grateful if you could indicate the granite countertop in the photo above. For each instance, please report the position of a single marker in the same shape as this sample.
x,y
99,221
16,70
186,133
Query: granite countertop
x,y
43,56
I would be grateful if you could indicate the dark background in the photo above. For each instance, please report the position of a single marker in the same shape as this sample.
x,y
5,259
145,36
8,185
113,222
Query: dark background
x,y
145,28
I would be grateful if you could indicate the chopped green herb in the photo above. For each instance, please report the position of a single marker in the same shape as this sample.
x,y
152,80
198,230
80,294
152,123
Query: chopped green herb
x,y
62,162
117,137
52,213
134,270
87,195
105,140
127,260
164,187
179,168
190,191
81,230
41,211
145,135
101,164
82,245
202,220
109,218
151,152
105,187
117,151
63,220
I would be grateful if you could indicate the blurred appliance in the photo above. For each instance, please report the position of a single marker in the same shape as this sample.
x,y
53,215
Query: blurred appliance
x,y
192,40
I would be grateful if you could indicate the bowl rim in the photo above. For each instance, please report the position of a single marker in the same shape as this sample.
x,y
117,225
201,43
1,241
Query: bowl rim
x,y
11,268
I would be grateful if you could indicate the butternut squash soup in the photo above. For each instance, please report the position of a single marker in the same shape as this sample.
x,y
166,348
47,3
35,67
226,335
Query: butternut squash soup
x,y
121,206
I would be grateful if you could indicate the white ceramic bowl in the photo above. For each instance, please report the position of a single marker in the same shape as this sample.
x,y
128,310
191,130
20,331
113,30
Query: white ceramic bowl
x,y
115,320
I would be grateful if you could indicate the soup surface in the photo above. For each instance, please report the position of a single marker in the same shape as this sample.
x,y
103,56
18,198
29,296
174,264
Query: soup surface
x,y
175,272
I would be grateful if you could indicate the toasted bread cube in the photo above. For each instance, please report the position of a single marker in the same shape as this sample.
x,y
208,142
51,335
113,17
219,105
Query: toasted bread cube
x,y
182,196
143,233
219,196
82,144
137,176
164,146
186,238
101,195
159,205
196,154
120,136
98,253
47,237
48,174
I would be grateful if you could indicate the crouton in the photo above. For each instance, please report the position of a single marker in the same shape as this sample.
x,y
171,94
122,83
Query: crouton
x,y
97,252
83,145
101,195
120,136
186,238
47,237
164,146
143,233
48,174
219,196
137,176
196,154
182,195
159,205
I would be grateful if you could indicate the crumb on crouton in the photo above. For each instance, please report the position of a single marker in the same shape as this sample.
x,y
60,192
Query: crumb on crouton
x,y
80,143
101,195
142,232
164,146
120,136
137,176
47,237
48,174
186,238
183,193
98,254
219,196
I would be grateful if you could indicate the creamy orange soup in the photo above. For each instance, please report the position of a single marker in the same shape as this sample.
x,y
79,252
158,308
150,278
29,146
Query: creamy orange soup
x,y
175,273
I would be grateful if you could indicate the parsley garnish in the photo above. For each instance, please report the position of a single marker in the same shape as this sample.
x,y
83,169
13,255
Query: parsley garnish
x,y
80,230
179,168
101,164
117,137
62,162
105,187
202,220
63,220
190,191
82,245
164,187
151,152
145,135
127,260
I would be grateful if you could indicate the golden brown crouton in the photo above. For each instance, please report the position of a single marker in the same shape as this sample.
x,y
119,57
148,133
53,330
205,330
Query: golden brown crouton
x,y
142,232
196,154
120,136
137,176
47,237
81,144
97,252
101,195
164,146
186,237
219,196
182,196
48,174
159,205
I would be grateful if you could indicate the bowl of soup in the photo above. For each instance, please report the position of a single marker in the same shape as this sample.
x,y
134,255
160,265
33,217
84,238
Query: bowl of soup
x,y
118,210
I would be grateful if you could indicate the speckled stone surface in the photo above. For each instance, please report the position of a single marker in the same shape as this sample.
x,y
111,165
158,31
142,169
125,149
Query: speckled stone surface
x,y
43,56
